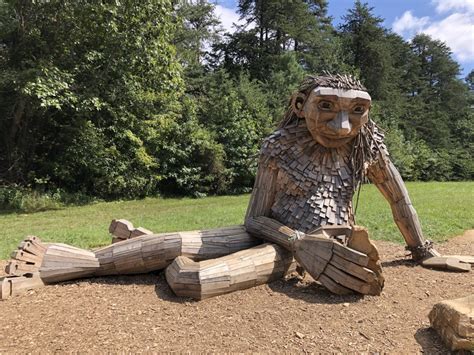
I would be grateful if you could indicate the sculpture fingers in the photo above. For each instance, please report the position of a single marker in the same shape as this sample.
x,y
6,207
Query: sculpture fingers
x,y
362,273
339,268
333,286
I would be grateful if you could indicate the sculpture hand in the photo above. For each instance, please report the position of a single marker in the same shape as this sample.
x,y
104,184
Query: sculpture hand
x,y
340,268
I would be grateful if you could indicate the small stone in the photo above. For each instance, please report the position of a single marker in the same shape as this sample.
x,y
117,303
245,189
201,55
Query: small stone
x,y
299,335
345,304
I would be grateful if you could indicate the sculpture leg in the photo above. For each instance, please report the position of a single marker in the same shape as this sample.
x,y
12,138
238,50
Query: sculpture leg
x,y
238,271
156,251
36,263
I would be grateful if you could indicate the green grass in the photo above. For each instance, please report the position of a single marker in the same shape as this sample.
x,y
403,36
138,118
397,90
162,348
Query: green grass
x,y
445,210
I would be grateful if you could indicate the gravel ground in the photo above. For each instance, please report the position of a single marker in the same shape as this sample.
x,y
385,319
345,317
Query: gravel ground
x,y
140,313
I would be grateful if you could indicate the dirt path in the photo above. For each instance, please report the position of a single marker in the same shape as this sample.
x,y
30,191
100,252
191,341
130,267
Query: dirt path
x,y
140,313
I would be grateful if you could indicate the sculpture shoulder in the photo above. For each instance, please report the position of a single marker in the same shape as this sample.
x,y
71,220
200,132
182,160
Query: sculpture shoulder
x,y
376,139
284,140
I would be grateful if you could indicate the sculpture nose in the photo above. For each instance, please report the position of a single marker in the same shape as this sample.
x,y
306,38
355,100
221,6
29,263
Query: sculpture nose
x,y
341,123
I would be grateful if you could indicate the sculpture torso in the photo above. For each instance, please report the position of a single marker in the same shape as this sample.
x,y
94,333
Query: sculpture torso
x,y
315,184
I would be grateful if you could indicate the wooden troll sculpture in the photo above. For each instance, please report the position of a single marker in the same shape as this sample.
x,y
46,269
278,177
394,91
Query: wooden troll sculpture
x,y
301,206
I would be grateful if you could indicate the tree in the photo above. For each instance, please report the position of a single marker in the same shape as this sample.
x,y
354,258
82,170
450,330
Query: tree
x,y
366,47
236,112
438,97
198,29
470,80
276,27
84,85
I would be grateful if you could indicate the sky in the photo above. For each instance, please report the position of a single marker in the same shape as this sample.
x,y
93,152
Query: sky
x,y
451,21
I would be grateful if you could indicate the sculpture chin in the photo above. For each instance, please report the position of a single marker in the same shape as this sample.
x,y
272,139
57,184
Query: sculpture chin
x,y
332,142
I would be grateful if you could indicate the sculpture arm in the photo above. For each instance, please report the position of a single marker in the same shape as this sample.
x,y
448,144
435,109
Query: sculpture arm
x,y
258,219
264,189
389,182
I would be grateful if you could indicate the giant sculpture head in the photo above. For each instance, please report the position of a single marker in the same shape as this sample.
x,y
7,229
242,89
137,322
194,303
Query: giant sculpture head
x,y
335,108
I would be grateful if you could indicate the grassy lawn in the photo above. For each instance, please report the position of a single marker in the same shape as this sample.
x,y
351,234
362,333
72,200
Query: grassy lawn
x,y
445,210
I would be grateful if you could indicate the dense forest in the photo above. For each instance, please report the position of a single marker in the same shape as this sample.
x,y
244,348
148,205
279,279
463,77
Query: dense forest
x,y
131,98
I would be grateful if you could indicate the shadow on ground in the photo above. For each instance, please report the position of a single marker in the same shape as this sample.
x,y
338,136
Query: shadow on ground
x,y
310,291
430,342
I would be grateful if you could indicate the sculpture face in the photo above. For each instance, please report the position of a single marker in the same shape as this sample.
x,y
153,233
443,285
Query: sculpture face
x,y
334,116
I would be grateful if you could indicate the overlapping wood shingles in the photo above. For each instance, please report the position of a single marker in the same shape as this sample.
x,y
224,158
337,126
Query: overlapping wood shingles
x,y
315,183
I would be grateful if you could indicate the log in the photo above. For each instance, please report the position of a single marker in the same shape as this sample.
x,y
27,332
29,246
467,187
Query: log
x,y
453,320
121,228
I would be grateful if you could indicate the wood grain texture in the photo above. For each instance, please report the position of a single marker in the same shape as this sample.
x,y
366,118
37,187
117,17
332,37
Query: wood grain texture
x,y
17,285
389,182
121,229
238,271
62,262
150,252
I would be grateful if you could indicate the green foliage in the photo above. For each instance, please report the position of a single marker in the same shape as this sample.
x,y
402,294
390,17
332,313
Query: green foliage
x,y
137,98
86,80
192,161
236,110
16,198
281,83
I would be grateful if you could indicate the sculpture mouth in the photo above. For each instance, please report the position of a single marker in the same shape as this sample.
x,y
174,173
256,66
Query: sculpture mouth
x,y
337,137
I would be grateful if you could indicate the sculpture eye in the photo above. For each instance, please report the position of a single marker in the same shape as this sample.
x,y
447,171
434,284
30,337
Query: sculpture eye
x,y
359,109
325,105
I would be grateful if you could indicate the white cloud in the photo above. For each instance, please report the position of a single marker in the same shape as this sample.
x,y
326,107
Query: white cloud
x,y
456,29
228,17
450,5
409,24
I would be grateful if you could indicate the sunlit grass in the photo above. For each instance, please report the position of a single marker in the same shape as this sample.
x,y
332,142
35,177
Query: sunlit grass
x,y
445,210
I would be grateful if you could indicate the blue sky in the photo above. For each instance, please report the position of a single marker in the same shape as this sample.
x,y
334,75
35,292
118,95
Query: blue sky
x,y
451,21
